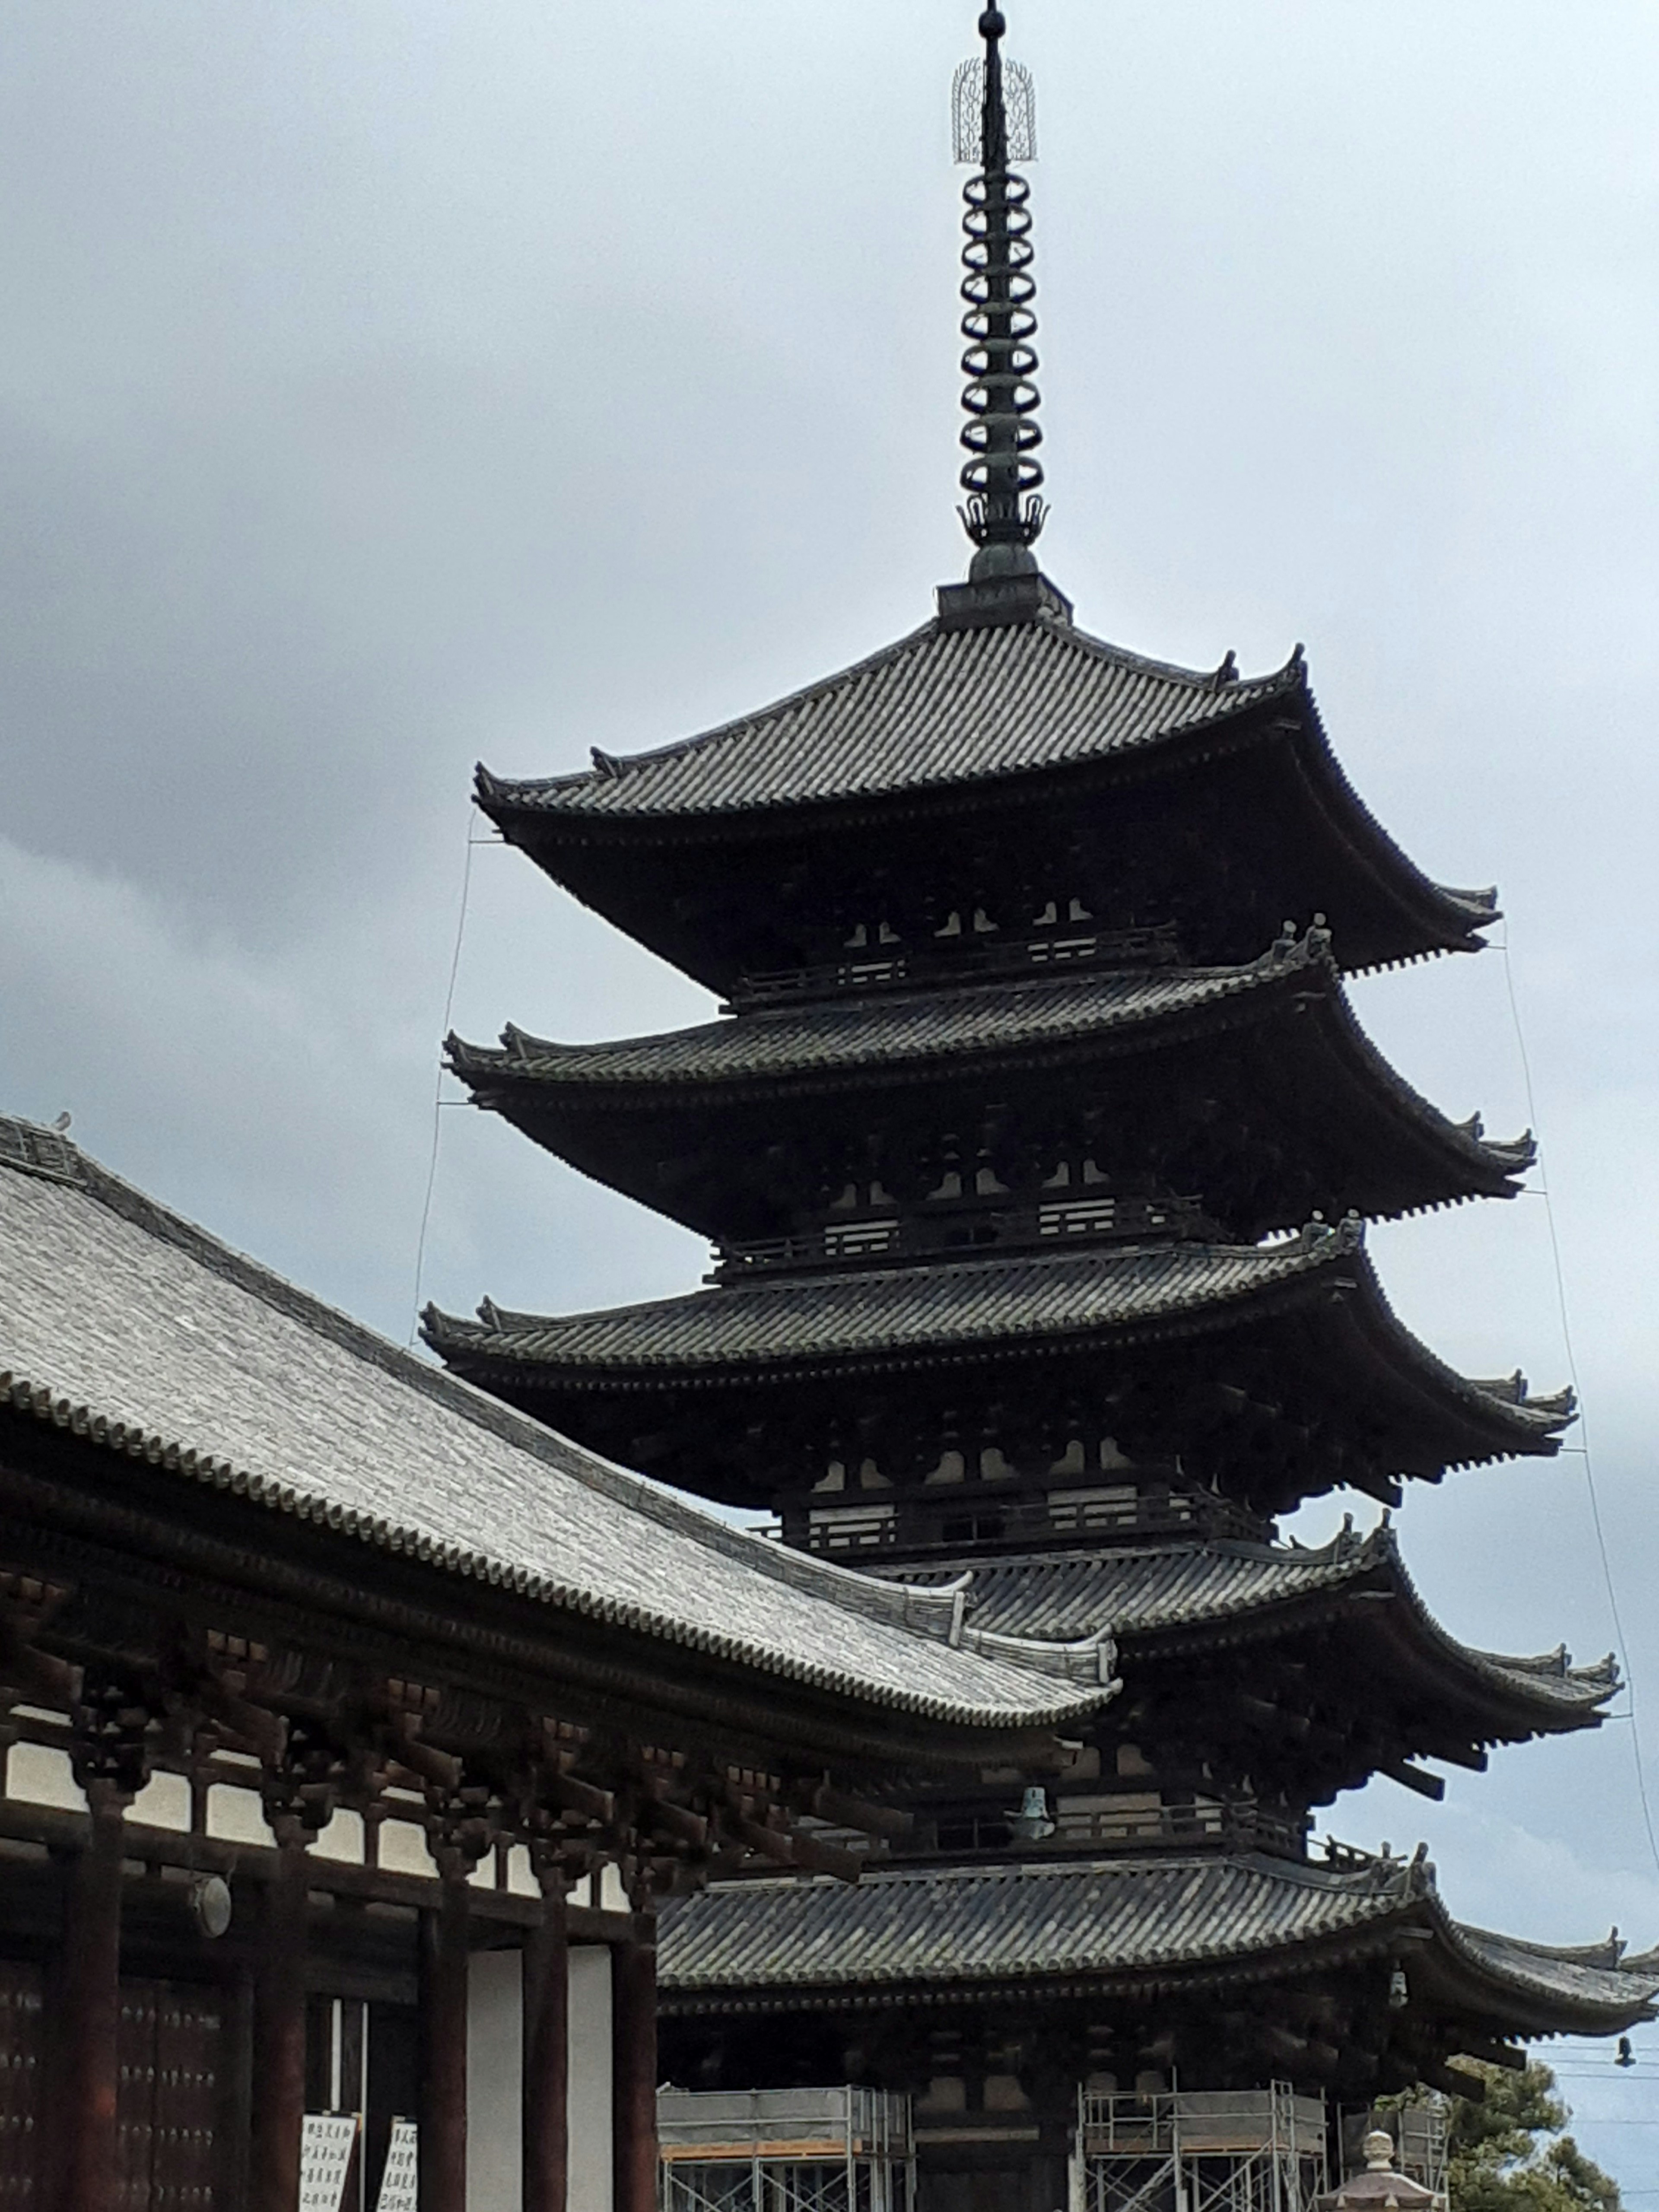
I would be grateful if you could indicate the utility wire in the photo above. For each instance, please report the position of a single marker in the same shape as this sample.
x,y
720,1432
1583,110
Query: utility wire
x,y
1583,1418
438,1084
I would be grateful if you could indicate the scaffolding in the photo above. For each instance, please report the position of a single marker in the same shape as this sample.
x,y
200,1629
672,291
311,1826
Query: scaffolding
x,y
1199,2150
786,2150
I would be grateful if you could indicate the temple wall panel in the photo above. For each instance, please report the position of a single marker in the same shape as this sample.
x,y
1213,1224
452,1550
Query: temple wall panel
x,y
590,2093
494,2075
39,1774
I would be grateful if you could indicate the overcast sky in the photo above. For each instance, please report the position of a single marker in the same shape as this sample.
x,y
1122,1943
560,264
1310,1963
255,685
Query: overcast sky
x,y
388,387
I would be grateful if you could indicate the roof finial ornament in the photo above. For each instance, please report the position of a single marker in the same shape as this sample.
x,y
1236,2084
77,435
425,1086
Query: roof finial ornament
x,y
995,125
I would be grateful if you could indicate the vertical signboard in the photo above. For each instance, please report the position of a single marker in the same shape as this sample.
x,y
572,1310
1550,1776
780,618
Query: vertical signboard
x,y
325,2148
399,2182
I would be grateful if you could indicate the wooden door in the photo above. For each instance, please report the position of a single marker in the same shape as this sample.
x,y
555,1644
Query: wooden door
x,y
168,2113
22,2080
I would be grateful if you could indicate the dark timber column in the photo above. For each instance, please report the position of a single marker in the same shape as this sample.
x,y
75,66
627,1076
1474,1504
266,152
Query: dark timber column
x,y
634,2069
91,2019
547,2053
279,2029
443,2053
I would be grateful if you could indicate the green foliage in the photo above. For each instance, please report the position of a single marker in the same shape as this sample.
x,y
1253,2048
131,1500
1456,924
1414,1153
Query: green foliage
x,y
1498,2163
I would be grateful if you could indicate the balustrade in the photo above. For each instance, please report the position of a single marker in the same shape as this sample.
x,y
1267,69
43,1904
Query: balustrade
x,y
967,1225
973,960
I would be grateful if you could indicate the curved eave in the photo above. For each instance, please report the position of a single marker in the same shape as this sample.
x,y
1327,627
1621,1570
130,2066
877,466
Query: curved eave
x,y
546,1355
1496,1698
546,815
1543,1989
1360,1588
581,1102
1128,1929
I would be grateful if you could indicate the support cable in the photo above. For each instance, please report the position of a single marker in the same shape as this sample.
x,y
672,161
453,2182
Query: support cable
x,y
438,1085
1583,1418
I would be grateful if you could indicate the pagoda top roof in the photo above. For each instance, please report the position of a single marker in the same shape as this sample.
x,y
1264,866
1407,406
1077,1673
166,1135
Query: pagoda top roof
x,y
949,1309
1179,1594
947,708
1109,1926
942,706
124,1325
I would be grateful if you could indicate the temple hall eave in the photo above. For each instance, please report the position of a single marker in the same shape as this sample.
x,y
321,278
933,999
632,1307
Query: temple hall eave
x,y
206,1389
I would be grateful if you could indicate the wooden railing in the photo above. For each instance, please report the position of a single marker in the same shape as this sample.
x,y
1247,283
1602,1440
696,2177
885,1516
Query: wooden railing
x,y
960,1226
908,1523
1240,1824
970,960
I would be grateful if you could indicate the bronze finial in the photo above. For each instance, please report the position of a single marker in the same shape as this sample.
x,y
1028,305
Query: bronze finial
x,y
995,126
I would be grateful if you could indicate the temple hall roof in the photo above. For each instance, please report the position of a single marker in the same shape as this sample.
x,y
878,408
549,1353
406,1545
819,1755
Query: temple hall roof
x,y
1109,1927
127,1326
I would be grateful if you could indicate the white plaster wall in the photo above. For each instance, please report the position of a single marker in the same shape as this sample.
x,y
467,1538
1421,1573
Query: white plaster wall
x,y
404,1850
163,1802
39,1774
494,2073
590,2079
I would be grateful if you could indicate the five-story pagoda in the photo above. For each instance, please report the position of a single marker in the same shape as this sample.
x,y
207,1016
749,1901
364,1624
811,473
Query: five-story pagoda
x,y
1036,1144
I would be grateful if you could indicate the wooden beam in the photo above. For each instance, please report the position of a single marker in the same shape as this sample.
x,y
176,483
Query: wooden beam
x,y
633,2076
547,2054
443,2004
1433,1786
90,2025
279,2034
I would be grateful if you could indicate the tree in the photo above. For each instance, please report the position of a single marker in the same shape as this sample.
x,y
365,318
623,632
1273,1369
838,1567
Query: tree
x,y
1499,2164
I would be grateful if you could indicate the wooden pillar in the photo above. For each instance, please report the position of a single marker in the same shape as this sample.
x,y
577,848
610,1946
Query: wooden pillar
x,y
279,2035
547,2054
443,2053
634,2074
91,2020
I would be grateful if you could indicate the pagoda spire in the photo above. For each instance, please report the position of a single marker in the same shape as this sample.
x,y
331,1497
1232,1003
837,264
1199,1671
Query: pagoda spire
x,y
995,127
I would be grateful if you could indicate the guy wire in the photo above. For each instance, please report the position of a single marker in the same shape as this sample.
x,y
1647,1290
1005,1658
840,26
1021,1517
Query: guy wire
x,y
1583,1418
438,1084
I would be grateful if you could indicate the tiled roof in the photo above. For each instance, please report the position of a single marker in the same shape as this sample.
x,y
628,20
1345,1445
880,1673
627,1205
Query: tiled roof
x,y
940,1309
890,1310
1581,1973
1178,1587
126,1325
1008,1921
767,1944
940,707
946,709
890,1037
870,1031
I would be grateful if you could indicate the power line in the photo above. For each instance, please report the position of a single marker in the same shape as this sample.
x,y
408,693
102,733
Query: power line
x,y
1583,1418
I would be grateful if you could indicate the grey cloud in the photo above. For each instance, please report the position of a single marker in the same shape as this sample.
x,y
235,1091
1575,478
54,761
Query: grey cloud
x,y
385,387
